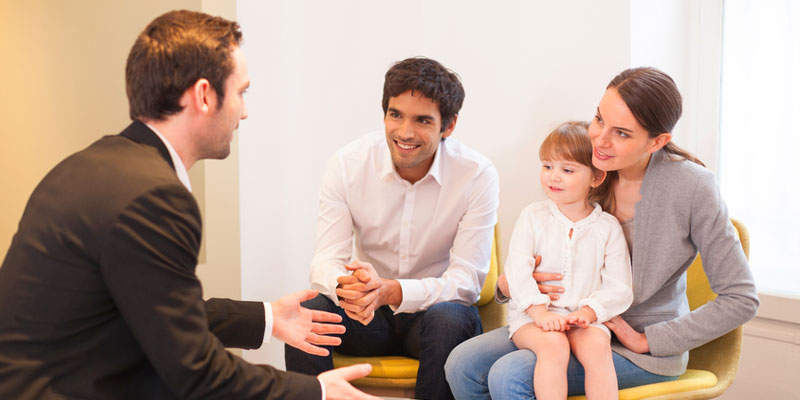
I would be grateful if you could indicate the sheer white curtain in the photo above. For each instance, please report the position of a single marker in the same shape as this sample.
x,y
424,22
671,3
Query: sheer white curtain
x,y
759,135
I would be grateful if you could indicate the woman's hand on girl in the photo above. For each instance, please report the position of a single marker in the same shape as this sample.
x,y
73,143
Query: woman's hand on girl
x,y
629,337
540,277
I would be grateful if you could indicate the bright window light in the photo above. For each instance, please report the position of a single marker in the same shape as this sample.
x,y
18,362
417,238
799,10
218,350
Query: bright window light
x,y
759,135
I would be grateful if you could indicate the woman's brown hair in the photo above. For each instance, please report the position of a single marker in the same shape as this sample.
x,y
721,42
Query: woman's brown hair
x,y
656,103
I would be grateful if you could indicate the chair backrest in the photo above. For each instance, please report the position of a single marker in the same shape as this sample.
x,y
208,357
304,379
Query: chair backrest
x,y
487,292
493,314
721,355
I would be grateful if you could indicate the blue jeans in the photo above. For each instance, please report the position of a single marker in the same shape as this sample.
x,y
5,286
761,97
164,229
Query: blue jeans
x,y
491,366
428,336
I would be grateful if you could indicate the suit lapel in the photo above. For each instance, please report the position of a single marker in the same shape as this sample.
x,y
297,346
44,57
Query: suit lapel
x,y
140,133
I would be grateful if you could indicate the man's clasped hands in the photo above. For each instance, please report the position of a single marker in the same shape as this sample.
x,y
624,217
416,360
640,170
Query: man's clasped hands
x,y
363,291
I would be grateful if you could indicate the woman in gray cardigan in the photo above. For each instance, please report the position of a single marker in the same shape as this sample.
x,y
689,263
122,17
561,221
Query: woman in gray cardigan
x,y
671,209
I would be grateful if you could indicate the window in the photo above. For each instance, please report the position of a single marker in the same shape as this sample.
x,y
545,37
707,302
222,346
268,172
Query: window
x,y
759,136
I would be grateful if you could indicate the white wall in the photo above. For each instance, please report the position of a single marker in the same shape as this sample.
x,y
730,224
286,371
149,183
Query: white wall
x,y
63,85
317,75
684,39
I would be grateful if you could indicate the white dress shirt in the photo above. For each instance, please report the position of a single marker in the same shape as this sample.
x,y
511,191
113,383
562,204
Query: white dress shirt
x,y
180,169
183,176
434,236
594,262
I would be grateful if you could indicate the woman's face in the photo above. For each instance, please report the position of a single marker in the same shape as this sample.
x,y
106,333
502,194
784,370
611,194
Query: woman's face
x,y
618,141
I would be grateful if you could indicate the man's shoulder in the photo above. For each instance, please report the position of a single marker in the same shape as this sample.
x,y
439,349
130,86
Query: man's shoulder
x,y
457,150
462,160
114,169
364,155
124,161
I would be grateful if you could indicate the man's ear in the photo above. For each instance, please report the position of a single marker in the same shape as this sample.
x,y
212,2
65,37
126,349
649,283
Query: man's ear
x,y
450,127
660,141
200,97
598,177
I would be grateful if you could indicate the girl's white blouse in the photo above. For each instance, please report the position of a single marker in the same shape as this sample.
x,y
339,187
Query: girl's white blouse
x,y
594,262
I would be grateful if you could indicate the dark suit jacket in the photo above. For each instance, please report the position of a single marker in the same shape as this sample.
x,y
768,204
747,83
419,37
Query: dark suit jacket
x,y
98,292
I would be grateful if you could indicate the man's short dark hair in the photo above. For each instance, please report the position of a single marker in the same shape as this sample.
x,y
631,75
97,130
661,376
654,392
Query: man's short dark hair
x,y
431,79
171,54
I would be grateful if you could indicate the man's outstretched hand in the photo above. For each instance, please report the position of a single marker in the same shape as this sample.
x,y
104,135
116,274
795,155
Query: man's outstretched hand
x,y
338,387
302,328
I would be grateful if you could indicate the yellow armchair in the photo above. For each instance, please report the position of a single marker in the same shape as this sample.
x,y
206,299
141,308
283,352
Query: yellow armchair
x,y
397,375
712,366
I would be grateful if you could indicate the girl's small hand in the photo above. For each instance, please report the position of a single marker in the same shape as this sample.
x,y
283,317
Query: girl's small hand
x,y
550,321
629,337
583,317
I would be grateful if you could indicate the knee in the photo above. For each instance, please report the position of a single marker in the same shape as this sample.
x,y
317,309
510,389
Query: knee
x,y
461,358
553,346
589,338
554,340
467,366
451,320
511,377
592,348
321,302
457,370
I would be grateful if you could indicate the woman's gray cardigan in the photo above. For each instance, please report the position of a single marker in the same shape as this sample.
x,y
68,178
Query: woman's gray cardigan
x,y
680,213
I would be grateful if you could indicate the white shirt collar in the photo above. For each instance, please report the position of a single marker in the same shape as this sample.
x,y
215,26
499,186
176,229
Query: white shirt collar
x,y
180,169
387,169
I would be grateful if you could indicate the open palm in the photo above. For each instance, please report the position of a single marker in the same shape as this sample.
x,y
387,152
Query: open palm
x,y
302,328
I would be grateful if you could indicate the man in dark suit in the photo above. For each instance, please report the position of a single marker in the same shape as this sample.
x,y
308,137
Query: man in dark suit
x,y
98,292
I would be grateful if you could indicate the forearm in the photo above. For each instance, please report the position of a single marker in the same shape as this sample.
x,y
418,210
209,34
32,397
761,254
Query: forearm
x,y
726,267
615,293
536,310
391,293
239,324
463,279
334,237
700,326
458,284
521,285
521,261
324,277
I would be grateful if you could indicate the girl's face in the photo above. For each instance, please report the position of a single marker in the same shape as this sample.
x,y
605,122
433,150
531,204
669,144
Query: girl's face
x,y
567,182
618,140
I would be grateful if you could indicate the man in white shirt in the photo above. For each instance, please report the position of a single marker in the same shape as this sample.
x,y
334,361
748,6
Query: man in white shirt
x,y
420,215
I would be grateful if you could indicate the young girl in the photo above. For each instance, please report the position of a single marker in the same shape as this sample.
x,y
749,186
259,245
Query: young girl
x,y
586,245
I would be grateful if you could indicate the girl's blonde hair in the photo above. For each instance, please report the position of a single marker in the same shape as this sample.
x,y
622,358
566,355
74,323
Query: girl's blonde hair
x,y
570,141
